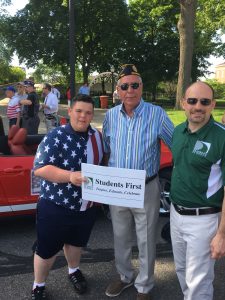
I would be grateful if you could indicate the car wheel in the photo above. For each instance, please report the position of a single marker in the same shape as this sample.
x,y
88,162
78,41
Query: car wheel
x,y
164,179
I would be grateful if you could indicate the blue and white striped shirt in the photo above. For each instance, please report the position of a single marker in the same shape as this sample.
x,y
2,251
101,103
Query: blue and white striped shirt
x,y
134,142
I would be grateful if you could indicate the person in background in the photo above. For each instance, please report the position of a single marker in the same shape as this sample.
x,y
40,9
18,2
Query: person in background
x,y
64,219
116,99
68,96
56,92
84,89
21,94
131,134
21,90
30,118
13,108
197,193
50,107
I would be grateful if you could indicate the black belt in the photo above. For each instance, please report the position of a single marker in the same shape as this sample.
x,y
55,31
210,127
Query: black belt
x,y
196,211
148,179
50,116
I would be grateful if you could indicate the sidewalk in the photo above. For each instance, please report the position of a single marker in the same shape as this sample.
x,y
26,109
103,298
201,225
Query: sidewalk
x,y
99,115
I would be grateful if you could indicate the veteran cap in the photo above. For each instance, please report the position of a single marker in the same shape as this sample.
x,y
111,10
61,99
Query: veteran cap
x,y
28,83
128,69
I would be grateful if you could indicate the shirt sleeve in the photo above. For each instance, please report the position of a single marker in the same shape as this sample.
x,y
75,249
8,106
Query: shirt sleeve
x,y
106,134
48,152
52,102
167,129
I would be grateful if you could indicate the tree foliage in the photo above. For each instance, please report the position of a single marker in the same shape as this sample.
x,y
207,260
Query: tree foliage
x,y
107,33
53,75
219,88
103,34
40,32
10,74
156,49
208,27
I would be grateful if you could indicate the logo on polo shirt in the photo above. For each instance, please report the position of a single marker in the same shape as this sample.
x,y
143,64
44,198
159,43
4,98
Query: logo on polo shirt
x,y
201,148
89,183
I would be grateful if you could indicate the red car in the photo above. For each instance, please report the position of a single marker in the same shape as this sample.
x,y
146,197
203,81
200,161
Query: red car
x,y
19,187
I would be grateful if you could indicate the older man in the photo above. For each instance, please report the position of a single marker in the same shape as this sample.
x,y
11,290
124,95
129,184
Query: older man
x,y
197,194
132,133
13,108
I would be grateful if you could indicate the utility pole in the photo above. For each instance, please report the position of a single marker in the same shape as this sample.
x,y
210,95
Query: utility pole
x,y
72,48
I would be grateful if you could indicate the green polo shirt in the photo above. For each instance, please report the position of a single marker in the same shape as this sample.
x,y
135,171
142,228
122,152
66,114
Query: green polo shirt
x,y
198,177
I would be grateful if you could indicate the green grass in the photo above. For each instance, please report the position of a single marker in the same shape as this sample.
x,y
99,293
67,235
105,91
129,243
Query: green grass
x,y
178,116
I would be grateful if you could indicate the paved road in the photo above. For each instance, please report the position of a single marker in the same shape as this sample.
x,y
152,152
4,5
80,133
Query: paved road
x,y
17,236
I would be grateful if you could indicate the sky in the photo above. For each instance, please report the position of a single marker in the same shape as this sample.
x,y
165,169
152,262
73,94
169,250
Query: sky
x,y
19,4
16,5
12,9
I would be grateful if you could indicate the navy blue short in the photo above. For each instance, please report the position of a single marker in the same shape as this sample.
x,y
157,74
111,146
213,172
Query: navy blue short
x,y
57,226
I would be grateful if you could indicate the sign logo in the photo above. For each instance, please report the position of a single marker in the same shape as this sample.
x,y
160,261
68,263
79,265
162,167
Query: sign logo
x,y
89,183
201,148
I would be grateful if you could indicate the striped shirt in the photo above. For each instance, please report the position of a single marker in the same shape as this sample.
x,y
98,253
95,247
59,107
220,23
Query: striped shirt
x,y
134,142
13,107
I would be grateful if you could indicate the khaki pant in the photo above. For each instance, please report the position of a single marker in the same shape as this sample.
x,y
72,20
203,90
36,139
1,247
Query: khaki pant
x,y
144,220
191,237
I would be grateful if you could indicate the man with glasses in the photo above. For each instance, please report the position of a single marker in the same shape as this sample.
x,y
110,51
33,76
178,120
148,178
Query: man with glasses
x,y
197,194
132,133
50,107
30,118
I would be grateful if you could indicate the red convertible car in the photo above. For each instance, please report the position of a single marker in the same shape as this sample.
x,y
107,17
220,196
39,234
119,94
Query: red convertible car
x,y
19,188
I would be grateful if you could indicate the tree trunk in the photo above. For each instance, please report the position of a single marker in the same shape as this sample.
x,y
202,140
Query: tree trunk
x,y
185,26
85,71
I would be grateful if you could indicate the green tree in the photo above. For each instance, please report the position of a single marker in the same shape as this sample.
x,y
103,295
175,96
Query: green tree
x,y
219,88
5,51
45,73
40,32
200,37
186,25
103,34
16,74
156,46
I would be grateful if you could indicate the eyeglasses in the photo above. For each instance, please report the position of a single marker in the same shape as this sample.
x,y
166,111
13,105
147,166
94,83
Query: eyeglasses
x,y
125,86
203,101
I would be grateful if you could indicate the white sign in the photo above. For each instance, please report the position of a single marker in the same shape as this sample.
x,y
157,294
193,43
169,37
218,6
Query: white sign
x,y
114,186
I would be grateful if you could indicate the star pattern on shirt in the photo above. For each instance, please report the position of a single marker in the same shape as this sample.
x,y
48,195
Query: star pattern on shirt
x,y
38,154
66,150
73,153
69,138
52,159
65,146
46,148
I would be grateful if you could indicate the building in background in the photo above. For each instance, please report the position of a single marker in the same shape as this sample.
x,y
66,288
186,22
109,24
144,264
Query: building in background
x,y
220,72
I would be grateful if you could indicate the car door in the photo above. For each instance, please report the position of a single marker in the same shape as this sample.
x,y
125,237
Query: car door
x,y
16,193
